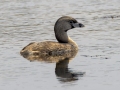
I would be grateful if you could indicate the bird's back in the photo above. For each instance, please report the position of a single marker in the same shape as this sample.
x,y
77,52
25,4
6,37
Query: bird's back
x,y
48,48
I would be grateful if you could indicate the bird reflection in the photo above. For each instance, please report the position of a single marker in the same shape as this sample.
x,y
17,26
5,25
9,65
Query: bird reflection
x,y
63,73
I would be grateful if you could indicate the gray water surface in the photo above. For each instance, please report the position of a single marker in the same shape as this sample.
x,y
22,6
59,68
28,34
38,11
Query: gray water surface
x,y
25,21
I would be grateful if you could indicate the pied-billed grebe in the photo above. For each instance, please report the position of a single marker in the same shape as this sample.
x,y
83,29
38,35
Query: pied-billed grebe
x,y
64,45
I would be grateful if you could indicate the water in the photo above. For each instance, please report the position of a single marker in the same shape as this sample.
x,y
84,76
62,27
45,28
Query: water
x,y
25,21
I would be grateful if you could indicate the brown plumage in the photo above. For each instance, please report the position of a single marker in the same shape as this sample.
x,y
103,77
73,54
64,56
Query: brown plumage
x,y
64,44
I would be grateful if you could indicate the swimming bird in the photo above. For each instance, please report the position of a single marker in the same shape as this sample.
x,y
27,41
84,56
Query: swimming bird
x,y
64,45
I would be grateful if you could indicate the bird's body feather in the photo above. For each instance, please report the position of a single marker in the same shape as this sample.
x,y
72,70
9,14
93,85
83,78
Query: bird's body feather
x,y
48,47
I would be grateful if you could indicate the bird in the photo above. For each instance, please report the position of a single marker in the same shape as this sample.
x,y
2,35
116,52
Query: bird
x,y
64,45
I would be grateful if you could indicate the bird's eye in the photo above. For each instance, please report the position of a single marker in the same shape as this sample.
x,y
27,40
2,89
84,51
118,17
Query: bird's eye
x,y
71,22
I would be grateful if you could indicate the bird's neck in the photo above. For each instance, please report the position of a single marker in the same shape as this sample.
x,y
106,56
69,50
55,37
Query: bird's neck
x,y
65,39
72,42
62,37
